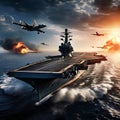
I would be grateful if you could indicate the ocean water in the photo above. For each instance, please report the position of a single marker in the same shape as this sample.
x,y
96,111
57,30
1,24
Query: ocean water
x,y
96,96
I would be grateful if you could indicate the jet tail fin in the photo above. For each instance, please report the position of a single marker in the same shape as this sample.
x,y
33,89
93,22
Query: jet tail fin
x,y
12,19
35,23
22,22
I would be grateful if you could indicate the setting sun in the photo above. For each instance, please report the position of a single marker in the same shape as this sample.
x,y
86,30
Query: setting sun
x,y
115,34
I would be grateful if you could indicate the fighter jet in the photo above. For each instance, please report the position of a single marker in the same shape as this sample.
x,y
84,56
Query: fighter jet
x,y
98,34
28,27
44,44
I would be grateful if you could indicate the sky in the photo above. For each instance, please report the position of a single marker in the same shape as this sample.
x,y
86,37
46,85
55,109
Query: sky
x,y
81,17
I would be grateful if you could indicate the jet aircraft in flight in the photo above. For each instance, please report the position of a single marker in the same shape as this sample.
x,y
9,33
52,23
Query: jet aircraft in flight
x,y
28,27
98,34
44,44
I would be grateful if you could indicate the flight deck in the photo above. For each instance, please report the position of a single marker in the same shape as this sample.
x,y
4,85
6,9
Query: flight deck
x,y
55,65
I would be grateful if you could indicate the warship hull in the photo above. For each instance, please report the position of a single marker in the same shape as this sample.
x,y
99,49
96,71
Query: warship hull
x,y
50,75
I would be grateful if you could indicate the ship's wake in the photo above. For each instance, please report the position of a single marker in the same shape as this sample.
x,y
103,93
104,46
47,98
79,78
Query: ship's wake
x,y
96,83
97,90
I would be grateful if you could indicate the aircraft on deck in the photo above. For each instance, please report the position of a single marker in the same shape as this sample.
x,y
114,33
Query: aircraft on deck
x,y
98,34
34,27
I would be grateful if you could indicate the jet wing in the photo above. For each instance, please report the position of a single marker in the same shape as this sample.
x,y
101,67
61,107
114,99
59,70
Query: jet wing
x,y
19,24
42,26
93,34
40,31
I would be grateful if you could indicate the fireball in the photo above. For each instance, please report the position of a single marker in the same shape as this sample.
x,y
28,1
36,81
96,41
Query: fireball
x,y
20,47
112,45
24,51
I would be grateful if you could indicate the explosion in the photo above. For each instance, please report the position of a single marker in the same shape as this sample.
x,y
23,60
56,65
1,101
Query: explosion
x,y
20,47
112,45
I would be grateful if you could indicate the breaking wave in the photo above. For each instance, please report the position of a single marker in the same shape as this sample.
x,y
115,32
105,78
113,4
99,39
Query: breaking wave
x,y
97,82
14,87
15,95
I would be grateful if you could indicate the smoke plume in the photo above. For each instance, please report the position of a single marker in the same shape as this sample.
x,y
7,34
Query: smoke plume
x,y
8,44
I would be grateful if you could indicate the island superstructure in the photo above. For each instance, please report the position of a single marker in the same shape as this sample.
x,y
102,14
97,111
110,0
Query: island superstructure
x,y
56,72
66,48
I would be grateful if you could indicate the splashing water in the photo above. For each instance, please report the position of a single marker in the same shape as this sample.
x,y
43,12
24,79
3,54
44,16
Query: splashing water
x,y
14,87
97,83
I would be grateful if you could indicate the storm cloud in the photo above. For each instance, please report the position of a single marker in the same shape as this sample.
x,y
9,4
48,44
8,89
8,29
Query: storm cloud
x,y
103,5
78,14
5,23
107,6
31,5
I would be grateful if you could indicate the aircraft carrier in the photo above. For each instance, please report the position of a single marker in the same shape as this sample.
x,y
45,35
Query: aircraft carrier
x,y
56,72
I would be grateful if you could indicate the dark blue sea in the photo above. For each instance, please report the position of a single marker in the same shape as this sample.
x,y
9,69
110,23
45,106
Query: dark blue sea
x,y
95,97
